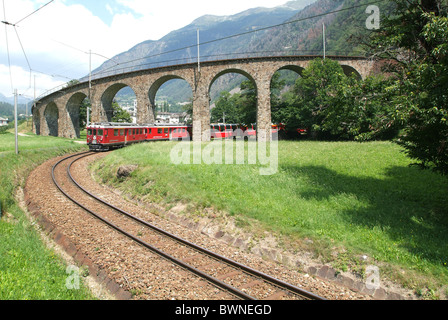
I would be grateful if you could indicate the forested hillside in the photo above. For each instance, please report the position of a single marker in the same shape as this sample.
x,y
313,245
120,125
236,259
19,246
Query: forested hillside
x,y
7,110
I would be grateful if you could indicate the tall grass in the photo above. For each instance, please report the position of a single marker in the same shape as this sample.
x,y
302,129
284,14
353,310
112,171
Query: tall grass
x,y
364,198
28,270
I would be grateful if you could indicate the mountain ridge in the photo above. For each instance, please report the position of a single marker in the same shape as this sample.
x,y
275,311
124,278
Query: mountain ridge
x,y
154,52
298,32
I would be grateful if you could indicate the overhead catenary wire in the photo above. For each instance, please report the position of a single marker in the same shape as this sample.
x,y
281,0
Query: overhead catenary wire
x,y
33,12
7,46
24,53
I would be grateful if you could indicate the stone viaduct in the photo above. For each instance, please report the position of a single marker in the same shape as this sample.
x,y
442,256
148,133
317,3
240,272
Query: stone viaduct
x,y
57,114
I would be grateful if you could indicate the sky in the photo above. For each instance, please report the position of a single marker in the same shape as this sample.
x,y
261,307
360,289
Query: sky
x,y
50,47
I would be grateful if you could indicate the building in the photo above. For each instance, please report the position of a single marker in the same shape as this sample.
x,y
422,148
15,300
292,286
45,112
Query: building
x,y
171,118
3,122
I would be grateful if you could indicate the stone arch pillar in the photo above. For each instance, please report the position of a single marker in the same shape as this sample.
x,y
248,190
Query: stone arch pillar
x,y
201,111
73,129
36,121
95,112
264,117
145,111
51,120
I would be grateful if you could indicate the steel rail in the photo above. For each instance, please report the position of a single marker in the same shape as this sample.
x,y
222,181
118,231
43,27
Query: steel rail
x,y
283,285
182,264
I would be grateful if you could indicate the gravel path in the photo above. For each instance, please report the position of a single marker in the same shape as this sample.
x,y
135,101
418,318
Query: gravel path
x,y
130,270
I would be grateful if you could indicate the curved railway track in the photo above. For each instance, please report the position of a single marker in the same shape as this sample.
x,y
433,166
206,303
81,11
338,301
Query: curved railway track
x,y
239,280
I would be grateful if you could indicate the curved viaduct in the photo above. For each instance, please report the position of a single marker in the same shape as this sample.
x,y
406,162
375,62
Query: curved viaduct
x,y
58,113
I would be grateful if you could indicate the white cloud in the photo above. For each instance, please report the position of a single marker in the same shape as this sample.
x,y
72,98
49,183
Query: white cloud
x,y
24,82
109,9
161,17
57,37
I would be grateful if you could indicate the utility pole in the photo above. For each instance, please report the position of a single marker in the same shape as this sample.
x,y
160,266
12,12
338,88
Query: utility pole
x,y
90,88
323,32
199,54
15,121
34,104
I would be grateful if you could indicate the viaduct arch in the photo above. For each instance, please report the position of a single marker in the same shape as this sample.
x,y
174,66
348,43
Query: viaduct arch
x,y
57,114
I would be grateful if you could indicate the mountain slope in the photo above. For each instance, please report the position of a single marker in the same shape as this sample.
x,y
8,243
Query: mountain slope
x,y
301,35
165,51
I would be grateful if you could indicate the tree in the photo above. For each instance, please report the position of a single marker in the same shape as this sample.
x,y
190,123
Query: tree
x,y
332,105
83,113
247,102
317,104
415,39
119,114
226,109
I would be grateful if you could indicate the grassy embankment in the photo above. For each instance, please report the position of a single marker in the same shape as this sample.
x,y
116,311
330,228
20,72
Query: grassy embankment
x,y
29,270
351,199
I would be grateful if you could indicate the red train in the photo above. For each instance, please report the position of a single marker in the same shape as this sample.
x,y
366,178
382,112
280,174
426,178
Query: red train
x,y
107,136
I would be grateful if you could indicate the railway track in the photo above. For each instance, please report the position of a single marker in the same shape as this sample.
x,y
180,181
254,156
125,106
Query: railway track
x,y
240,281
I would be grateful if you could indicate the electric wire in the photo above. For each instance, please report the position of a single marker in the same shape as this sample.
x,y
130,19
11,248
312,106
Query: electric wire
x,y
26,57
33,13
7,46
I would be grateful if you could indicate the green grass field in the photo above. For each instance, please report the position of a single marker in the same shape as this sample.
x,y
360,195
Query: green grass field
x,y
363,199
29,270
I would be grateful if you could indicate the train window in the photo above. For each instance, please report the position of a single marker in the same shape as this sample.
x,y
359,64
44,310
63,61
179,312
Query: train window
x,y
122,132
166,130
159,131
89,132
101,132
116,132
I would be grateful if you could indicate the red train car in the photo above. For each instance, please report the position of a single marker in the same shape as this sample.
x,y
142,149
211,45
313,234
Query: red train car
x,y
107,136
160,133
223,131
251,130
